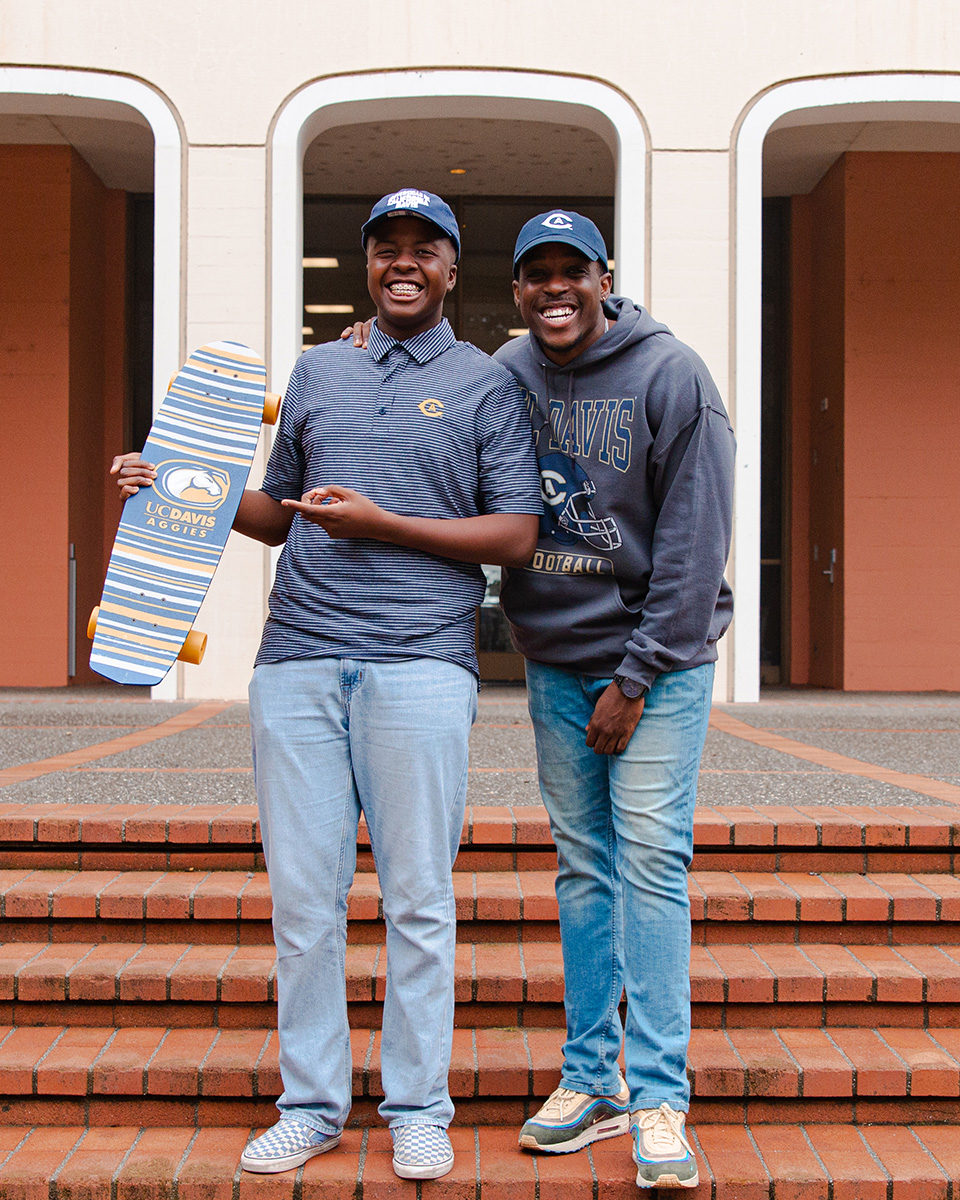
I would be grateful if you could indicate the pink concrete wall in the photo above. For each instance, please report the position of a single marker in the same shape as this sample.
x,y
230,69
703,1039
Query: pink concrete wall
x,y
34,413
902,422
62,376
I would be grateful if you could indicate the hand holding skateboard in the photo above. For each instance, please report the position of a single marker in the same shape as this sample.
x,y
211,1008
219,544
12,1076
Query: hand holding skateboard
x,y
181,495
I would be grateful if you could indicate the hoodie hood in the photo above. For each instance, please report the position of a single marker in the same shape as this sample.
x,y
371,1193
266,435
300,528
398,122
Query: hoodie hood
x,y
629,325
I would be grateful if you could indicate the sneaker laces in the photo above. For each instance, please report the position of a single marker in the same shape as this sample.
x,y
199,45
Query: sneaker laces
x,y
663,1128
560,1103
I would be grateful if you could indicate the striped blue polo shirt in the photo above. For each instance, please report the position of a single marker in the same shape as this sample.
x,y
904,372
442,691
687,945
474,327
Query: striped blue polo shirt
x,y
427,427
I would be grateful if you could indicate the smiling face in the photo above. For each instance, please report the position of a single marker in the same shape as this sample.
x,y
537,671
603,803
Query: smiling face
x,y
411,266
560,294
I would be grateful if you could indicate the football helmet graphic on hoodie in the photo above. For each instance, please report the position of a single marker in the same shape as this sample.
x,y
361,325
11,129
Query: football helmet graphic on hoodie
x,y
568,515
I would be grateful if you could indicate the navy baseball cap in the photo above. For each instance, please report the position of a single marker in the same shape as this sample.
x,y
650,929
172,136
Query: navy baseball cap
x,y
411,202
559,226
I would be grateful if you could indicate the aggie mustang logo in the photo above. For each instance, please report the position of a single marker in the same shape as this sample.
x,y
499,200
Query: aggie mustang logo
x,y
192,483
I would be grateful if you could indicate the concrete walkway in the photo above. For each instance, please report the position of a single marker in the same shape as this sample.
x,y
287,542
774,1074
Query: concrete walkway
x,y
114,745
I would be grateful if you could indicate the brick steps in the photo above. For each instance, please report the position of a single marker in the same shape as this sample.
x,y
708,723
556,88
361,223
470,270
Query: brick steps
x,y
138,987
226,837
42,904
488,1065
497,983
737,1162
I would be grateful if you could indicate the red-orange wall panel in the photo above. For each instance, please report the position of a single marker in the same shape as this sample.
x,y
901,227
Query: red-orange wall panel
x,y
824,409
62,247
902,422
34,412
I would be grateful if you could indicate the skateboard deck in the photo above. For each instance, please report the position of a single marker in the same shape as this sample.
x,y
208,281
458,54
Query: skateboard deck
x,y
171,535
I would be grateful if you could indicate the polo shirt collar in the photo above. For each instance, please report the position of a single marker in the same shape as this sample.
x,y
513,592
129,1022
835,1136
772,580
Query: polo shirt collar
x,y
421,348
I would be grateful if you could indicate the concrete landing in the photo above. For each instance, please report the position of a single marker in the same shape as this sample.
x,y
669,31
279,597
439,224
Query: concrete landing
x,y
115,745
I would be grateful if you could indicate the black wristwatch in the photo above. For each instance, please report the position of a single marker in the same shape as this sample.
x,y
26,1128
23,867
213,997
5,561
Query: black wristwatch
x,y
630,688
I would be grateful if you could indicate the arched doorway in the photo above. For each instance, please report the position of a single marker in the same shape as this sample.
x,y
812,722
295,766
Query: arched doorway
x,y
848,536
500,147
89,171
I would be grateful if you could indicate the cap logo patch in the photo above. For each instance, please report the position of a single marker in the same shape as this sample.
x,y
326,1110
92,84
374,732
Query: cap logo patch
x,y
557,221
408,198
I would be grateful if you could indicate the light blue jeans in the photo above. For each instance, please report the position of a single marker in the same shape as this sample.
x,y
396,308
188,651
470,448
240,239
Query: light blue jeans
x,y
331,738
623,825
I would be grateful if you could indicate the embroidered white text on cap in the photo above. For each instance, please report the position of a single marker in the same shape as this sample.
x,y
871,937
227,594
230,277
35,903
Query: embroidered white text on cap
x,y
558,221
408,198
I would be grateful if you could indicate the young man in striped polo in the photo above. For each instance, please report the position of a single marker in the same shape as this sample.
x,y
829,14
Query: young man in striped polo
x,y
394,474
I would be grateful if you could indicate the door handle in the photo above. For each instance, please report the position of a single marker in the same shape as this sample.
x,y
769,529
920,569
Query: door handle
x,y
833,560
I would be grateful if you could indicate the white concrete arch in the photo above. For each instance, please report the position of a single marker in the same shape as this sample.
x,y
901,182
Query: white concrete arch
x,y
843,98
54,91
467,93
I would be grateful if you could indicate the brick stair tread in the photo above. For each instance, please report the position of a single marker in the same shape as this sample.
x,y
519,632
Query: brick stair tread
x,y
736,1162
112,895
492,972
46,1061
842,826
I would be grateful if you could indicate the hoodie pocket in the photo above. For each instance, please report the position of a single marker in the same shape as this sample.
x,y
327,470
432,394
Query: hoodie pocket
x,y
564,616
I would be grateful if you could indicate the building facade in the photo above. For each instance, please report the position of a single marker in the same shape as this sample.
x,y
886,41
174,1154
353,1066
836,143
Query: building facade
x,y
779,183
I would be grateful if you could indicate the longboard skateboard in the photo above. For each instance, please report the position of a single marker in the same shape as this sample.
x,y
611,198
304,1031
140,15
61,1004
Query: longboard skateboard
x,y
171,535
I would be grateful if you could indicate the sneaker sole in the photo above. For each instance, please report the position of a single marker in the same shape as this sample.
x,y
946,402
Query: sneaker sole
x,y
665,1181
612,1127
429,1171
272,1166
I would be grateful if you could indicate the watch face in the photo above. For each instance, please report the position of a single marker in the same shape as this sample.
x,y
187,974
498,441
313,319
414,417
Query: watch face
x,y
630,688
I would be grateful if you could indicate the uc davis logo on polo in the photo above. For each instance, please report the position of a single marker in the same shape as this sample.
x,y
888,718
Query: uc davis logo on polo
x,y
431,408
184,482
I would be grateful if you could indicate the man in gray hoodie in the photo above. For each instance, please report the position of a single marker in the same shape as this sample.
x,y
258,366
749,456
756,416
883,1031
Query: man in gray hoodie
x,y
618,615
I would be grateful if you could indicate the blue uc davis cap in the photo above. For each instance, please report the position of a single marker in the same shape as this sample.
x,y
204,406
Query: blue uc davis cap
x,y
411,202
570,228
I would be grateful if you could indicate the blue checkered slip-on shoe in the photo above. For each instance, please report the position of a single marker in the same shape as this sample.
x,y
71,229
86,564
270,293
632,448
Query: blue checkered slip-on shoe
x,y
661,1151
421,1151
288,1144
570,1120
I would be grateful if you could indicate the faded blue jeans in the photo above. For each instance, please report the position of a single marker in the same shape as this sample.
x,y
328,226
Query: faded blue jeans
x,y
623,825
331,738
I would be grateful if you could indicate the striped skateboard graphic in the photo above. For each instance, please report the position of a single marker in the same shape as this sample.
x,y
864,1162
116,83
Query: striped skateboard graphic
x,y
171,535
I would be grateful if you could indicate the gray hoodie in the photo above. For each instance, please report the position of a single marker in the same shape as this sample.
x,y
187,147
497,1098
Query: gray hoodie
x,y
636,461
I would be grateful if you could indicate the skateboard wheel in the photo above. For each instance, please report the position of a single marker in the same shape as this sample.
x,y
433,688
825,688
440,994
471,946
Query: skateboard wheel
x,y
271,408
92,622
193,647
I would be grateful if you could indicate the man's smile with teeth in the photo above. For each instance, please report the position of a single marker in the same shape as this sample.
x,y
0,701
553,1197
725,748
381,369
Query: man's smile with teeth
x,y
557,312
404,288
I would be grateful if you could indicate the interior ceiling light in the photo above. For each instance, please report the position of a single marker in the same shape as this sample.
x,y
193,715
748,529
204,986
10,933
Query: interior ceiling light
x,y
458,170
307,330
321,262
516,332
328,308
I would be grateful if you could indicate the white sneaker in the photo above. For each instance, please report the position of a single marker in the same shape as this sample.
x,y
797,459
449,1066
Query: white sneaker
x,y
286,1145
421,1151
661,1151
